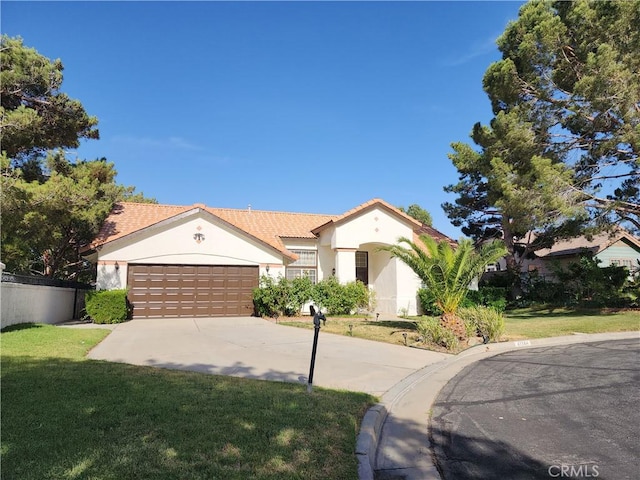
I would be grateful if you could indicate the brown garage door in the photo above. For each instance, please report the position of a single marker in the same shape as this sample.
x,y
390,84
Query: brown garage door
x,y
191,290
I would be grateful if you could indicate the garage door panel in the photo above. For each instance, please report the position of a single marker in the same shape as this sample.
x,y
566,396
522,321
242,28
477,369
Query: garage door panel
x,y
191,290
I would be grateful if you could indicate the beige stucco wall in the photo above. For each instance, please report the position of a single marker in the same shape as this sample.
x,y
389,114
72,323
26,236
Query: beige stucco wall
x,y
382,274
395,284
408,285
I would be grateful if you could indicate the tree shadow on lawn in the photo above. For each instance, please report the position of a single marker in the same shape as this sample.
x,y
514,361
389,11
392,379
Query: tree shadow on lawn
x,y
552,312
21,326
401,325
92,419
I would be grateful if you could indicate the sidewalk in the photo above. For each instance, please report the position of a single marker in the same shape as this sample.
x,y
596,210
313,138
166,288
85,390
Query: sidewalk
x,y
394,440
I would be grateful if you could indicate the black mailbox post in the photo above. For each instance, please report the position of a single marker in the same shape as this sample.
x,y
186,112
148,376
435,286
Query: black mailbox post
x,y
316,328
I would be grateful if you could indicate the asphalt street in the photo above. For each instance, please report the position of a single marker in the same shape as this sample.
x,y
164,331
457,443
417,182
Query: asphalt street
x,y
568,411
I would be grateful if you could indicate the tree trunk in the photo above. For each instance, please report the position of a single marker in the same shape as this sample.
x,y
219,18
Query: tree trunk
x,y
453,322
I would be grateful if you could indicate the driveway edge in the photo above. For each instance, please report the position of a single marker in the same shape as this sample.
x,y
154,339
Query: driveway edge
x,y
368,438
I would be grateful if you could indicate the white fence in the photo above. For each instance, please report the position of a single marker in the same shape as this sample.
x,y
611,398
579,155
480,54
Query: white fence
x,y
22,301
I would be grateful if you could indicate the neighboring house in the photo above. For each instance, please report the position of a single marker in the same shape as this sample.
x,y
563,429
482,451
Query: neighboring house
x,y
189,261
620,248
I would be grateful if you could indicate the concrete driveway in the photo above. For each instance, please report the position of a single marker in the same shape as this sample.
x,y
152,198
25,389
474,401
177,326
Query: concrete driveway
x,y
255,348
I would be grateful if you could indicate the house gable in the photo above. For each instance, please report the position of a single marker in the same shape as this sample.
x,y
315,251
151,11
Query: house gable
x,y
374,222
133,240
194,238
623,252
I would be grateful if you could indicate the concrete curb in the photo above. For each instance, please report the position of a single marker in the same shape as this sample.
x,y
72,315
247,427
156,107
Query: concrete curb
x,y
373,421
367,440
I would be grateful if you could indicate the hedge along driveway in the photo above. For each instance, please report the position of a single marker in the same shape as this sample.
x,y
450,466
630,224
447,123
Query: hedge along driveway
x,y
256,348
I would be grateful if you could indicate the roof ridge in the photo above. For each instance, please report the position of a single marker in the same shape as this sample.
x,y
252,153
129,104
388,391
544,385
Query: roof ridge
x,y
279,212
205,206
154,204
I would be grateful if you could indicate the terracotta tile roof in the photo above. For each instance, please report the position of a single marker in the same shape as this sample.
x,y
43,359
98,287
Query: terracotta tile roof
x,y
127,217
596,244
432,232
271,227
266,226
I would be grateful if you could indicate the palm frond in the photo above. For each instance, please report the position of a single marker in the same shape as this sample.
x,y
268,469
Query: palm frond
x,y
446,271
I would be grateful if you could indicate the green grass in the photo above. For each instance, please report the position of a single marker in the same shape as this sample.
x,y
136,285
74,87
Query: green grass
x,y
66,417
519,324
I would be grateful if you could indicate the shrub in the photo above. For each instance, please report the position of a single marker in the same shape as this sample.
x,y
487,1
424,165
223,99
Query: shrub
x,y
448,339
266,298
428,303
581,283
470,328
433,332
337,299
487,322
107,306
539,290
494,297
299,293
586,283
276,297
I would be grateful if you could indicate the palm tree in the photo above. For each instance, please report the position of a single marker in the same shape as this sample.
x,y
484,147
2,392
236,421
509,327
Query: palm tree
x,y
447,272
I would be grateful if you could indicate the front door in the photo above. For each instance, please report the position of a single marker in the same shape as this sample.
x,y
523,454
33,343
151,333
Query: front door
x,y
362,267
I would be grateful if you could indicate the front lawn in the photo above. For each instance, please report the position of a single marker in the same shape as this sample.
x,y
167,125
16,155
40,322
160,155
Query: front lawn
x,y
389,331
67,417
519,324
529,323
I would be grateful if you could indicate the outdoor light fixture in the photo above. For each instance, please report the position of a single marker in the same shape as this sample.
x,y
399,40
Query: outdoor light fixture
x,y
377,315
116,266
267,269
404,334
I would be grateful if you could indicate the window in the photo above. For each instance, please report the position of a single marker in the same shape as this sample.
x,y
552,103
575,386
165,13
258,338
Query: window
x,y
305,266
622,263
362,259
301,273
362,267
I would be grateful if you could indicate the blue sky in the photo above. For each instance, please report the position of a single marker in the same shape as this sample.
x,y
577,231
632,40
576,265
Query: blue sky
x,y
294,106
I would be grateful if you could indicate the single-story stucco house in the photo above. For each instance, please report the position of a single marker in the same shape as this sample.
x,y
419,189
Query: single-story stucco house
x,y
190,261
